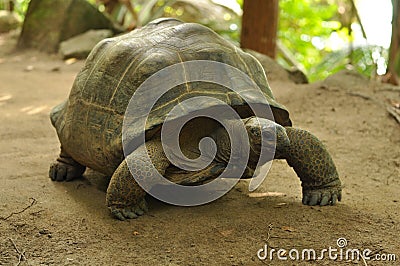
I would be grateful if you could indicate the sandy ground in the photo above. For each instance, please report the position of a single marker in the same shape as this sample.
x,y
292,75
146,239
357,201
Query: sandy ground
x,y
68,223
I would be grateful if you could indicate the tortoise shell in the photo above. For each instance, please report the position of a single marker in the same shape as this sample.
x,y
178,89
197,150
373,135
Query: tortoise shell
x,y
89,123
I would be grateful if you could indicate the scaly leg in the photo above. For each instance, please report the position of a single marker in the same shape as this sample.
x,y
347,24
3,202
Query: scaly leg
x,y
125,198
315,167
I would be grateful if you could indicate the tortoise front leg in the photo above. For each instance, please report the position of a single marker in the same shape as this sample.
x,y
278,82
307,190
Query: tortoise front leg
x,y
315,167
125,198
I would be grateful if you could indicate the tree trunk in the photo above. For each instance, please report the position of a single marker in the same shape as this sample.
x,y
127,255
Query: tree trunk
x,y
260,26
393,72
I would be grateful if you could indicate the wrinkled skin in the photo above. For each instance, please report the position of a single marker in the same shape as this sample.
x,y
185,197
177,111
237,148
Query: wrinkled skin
x,y
303,151
306,154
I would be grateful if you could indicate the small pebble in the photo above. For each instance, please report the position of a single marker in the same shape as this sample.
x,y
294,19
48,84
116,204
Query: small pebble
x,y
29,68
44,232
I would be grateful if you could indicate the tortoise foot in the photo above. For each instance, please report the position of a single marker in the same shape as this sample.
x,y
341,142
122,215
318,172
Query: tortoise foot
x,y
129,212
327,195
66,170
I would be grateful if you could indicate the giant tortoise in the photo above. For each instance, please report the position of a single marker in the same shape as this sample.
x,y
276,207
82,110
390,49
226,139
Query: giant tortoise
x,y
89,123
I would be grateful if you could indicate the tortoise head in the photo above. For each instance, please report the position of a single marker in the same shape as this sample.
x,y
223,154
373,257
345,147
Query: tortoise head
x,y
273,137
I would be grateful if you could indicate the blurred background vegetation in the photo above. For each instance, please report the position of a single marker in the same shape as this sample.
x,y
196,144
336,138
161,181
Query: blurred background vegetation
x,y
315,36
18,6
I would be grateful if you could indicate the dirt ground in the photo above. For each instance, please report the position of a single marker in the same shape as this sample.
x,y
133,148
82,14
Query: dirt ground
x,y
48,223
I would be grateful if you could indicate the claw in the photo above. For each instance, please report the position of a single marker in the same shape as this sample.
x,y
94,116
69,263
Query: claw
x,y
314,200
60,171
325,200
128,212
52,172
324,196
60,174
117,214
334,199
305,199
138,211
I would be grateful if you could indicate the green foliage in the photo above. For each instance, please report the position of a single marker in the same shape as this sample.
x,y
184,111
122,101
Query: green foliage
x,y
303,24
4,5
306,28
20,6
305,31
220,18
365,60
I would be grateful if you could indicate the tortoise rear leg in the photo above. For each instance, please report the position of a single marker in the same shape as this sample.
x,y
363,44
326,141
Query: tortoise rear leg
x,y
125,198
65,168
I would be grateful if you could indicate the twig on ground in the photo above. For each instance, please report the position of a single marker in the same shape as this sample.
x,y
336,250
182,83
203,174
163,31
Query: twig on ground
x,y
21,254
392,111
280,237
365,262
267,240
36,213
357,94
395,89
24,209
269,233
